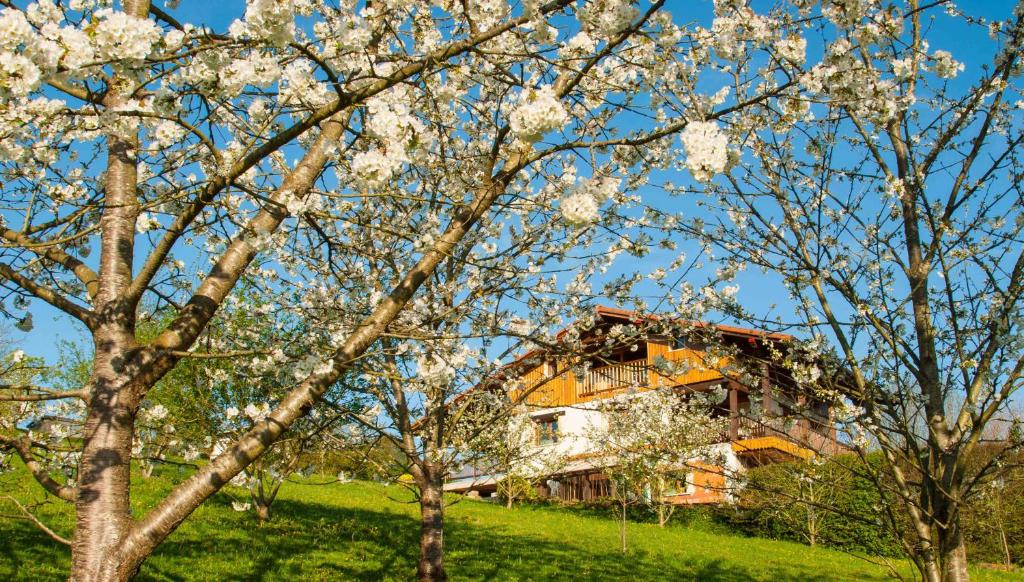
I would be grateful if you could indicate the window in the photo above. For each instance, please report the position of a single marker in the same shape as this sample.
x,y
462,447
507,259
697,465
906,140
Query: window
x,y
680,343
547,430
684,486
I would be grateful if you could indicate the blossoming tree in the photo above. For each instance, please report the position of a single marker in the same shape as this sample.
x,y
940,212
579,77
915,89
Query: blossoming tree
x,y
645,442
147,160
886,198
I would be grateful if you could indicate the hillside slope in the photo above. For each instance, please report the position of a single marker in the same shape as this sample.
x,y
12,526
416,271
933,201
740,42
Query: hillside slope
x,y
366,531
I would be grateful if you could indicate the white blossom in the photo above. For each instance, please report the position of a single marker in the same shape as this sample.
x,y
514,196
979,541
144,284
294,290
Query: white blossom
x,y
257,413
580,206
271,21
146,222
121,36
375,168
18,75
792,49
707,149
538,112
945,66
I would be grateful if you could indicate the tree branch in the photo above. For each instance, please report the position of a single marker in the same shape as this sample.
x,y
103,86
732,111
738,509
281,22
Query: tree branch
x,y
30,517
23,446
86,275
48,295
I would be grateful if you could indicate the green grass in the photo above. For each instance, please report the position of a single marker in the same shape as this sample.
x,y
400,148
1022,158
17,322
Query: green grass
x,y
365,531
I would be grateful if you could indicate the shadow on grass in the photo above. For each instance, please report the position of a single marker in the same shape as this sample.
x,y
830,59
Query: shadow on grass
x,y
27,554
310,541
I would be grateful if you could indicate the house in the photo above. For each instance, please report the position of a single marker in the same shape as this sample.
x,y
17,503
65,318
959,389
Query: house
x,y
769,419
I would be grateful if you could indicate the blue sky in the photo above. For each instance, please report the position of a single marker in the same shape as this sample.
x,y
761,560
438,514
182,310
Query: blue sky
x,y
758,292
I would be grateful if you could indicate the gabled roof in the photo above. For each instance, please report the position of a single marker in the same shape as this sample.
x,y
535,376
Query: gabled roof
x,y
626,314
522,364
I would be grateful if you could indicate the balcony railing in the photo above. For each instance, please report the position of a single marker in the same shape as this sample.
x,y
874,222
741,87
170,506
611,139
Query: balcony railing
x,y
793,430
613,377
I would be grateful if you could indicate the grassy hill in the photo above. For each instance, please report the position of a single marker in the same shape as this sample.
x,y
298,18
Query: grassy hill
x,y
366,531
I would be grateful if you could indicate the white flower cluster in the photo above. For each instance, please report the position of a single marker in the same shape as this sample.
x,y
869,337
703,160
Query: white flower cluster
x,y
845,12
488,13
375,168
539,112
165,134
389,121
580,207
434,371
257,69
146,222
707,149
155,413
28,55
607,17
945,66
121,36
580,44
312,364
792,49
733,29
19,74
257,413
804,373
844,79
904,68
300,87
272,21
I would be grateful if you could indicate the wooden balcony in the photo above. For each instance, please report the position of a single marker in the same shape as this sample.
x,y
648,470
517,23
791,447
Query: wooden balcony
x,y
614,377
794,437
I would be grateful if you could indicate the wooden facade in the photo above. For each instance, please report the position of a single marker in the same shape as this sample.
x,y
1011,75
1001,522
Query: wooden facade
x,y
553,383
778,434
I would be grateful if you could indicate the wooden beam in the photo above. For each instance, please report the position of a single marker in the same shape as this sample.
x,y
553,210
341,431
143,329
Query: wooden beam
x,y
734,412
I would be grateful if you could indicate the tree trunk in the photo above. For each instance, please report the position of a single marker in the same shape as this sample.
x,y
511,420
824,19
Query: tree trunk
x,y
812,526
1007,559
260,500
954,555
102,507
262,512
622,528
431,564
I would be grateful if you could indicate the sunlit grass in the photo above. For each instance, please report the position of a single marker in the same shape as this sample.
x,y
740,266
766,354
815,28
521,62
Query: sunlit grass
x,y
367,531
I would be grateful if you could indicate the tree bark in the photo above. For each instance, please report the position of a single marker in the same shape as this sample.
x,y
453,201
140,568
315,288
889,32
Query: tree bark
x,y
102,507
953,554
1007,559
622,527
262,512
431,563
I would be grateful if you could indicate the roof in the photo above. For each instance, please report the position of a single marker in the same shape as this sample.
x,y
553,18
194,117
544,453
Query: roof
x,y
605,312
627,314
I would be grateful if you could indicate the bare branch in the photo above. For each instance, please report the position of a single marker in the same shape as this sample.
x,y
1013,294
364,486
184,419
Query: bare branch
x,y
47,294
26,514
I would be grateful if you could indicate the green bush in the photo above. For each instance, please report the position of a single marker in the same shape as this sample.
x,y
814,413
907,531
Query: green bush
x,y
518,488
993,521
823,503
